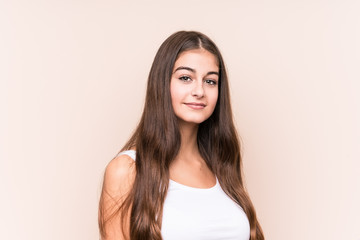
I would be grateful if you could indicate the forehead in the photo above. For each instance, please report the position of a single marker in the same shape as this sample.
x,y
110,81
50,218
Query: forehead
x,y
197,59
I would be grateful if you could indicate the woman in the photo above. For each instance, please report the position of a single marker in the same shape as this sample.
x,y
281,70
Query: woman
x,y
179,176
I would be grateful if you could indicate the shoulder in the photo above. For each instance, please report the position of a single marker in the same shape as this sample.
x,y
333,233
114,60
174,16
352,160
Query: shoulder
x,y
118,182
119,174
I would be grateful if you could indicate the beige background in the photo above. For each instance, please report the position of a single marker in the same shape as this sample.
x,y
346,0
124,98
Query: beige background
x,y
73,77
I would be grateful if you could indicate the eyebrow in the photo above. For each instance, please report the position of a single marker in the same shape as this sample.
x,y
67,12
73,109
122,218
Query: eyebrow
x,y
194,71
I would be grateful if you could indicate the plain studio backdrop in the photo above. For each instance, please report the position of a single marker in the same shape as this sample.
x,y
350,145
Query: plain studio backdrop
x,y
73,77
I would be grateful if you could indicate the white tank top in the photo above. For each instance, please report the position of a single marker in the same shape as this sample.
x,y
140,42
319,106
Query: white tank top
x,y
201,214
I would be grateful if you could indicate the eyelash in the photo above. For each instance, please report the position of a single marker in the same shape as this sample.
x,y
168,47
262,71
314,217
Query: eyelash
x,y
211,82
208,81
185,78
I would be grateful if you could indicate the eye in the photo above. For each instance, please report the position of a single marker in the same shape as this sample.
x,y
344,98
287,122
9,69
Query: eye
x,y
210,82
185,78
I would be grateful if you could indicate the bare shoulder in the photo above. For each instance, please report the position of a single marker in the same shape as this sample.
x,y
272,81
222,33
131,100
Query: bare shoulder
x,y
119,175
118,181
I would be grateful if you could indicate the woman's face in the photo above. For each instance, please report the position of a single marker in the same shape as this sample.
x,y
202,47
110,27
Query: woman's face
x,y
194,85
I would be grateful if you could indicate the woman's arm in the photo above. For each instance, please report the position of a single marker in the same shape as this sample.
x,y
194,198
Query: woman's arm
x,y
118,180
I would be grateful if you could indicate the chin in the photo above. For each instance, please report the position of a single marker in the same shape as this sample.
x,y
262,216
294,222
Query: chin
x,y
193,120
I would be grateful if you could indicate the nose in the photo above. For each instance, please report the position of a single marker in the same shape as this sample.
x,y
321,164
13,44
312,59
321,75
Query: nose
x,y
198,90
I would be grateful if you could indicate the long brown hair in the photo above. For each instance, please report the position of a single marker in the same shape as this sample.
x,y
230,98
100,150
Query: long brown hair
x,y
157,141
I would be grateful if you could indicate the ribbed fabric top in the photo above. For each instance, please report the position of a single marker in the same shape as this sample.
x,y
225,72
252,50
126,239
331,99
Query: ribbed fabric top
x,y
201,214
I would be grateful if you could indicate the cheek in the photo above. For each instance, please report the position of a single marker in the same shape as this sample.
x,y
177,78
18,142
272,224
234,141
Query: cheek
x,y
175,94
178,92
213,97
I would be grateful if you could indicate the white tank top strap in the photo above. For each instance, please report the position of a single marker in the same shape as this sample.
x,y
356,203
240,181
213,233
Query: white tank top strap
x,y
130,153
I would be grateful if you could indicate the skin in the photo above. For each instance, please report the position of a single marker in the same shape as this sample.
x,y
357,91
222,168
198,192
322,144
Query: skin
x,y
119,177
194,81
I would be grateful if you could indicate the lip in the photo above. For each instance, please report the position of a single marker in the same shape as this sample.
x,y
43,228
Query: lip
x,y
195,105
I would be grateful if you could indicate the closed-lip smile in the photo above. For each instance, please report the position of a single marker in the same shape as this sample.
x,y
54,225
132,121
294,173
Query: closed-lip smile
x,y
195,105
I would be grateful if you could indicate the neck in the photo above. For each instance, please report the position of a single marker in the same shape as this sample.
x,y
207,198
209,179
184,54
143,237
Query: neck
x,y
188,145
